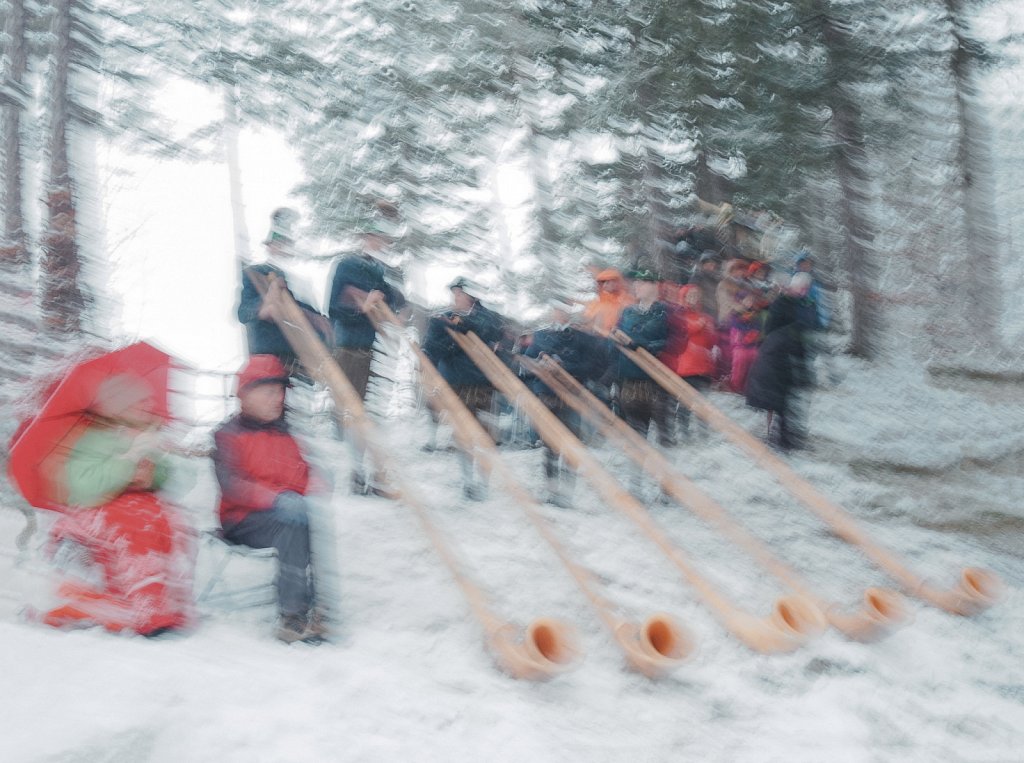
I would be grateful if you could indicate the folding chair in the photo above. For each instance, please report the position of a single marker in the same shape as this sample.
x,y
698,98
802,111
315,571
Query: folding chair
x,y
216,593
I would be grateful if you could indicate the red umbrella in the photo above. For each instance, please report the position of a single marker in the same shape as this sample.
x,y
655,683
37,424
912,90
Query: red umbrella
x,y
42,443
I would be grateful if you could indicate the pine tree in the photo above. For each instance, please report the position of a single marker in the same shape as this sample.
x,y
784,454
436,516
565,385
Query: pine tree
x,y
14,98
62,298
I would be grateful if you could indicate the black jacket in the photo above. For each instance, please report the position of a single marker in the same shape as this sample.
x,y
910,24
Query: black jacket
x,y
452,363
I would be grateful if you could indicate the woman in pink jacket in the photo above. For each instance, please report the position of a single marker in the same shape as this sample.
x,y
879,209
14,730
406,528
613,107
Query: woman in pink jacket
x,y
745,331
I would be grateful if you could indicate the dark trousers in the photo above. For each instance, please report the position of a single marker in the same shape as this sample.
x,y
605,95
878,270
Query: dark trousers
x,y
355,364
285,529
641,403
553,466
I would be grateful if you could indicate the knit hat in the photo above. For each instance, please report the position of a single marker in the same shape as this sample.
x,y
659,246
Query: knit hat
x,y
262,369
610,274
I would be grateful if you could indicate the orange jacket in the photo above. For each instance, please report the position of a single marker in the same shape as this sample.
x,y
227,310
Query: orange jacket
x,y
604,312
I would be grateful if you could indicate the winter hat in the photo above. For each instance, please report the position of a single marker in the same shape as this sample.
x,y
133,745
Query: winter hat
x,y
117,394
281,222
611,274
756,268
262,369
800,283
644,274
470,288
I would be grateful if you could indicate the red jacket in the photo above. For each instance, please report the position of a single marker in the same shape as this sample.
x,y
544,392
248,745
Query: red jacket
x,y
691,335
255,462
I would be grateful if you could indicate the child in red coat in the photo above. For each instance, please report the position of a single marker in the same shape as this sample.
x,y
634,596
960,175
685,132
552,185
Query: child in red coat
x,y
264,481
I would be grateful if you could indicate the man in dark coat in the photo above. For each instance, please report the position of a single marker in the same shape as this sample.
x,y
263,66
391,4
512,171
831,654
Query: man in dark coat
x,y
582,355
467,381
357,284
646,325
707,277
262,333
780,371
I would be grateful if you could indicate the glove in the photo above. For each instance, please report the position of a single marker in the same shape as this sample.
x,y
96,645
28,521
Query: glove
x,y
144,445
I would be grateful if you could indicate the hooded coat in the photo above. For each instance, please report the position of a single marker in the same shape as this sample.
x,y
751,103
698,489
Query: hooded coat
x,y
781,365
691,338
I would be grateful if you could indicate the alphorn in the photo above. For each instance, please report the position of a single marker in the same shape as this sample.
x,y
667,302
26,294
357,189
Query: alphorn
x,y
977,589
883,609
542,651
793,619
654,647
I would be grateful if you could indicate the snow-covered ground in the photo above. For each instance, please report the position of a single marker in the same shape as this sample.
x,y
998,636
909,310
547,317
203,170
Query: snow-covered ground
x,y
931,471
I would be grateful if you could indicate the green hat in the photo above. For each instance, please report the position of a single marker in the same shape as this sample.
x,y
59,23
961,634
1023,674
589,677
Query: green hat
x,y
644,274
282,220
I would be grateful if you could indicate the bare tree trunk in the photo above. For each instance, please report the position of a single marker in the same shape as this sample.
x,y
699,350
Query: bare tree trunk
x,y
241,230
62,300
980,280
858,235
14,252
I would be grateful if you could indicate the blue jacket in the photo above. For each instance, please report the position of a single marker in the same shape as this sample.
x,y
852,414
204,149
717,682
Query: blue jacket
x,y
451,362
647,329
582,355
361,272
264,337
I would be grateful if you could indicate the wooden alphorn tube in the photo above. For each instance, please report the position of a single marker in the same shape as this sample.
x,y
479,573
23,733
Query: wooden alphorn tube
x,y
540,651
793,619
883,610
652,648
977,589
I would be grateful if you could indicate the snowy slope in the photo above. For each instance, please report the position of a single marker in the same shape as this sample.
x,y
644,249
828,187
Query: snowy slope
x,y
408,677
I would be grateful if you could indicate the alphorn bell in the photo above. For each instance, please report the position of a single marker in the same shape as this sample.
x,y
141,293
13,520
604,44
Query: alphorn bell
x,y
883,610
654,647
539,651
794,619
975,591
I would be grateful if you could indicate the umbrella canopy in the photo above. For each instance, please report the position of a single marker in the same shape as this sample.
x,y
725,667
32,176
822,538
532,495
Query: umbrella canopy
x,y
41,444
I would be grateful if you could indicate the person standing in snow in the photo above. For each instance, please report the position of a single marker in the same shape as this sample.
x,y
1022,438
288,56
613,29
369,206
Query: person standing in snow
x,y
727,299
689,347
603,312
707,278
644,324
780,371
357,285
583,356
467,381
263,335
265,485
745,329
